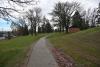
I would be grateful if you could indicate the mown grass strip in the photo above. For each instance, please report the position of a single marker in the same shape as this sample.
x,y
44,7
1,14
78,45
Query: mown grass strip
x,y
13,52
83,46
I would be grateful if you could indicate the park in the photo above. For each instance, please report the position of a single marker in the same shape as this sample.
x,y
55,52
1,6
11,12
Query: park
x,y
34,33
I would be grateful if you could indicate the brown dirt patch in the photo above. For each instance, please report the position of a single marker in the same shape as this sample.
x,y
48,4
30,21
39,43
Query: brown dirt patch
x,y
62,59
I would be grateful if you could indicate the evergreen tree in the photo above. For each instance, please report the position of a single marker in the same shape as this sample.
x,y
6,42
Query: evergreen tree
x,y
48,27
77,20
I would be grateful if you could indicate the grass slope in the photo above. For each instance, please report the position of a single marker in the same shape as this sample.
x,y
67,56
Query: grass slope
x,y
13,52
83,47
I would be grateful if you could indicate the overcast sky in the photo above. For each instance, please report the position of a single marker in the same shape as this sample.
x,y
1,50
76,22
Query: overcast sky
x,y
48,5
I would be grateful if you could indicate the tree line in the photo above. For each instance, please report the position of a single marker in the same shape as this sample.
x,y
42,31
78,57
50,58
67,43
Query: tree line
x,y
64,16
73,15
35,23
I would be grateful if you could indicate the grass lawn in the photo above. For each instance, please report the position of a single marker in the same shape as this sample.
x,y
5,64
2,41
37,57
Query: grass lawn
x,y
83,47
13,52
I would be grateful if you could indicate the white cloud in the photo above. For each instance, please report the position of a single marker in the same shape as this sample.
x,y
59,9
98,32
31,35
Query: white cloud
x,y
48,5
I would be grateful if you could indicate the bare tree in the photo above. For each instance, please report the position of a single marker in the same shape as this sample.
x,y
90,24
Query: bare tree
x,y
30,16
9,6
62,13
93,17
70,8
98,15
38,15
86,16
34,17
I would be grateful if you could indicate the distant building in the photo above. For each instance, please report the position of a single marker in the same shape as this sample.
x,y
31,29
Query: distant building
x,y
73,29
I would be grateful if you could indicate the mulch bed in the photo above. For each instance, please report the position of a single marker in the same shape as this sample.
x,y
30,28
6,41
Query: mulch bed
x,y
62,59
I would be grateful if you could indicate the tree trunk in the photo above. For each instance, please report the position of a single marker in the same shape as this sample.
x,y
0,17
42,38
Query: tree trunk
x,y
60,28
35,31
66,29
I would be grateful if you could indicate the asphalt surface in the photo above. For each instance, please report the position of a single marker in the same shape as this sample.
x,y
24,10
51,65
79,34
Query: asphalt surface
x,y
41,56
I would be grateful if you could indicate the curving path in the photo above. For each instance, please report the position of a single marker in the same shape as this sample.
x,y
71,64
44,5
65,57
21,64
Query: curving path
x,y
41,55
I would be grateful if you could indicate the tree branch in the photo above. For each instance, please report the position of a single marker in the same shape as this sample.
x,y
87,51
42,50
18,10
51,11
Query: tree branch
x,y
19,1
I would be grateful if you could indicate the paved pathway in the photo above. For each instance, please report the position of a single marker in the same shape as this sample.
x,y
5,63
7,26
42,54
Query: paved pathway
x,y
41,55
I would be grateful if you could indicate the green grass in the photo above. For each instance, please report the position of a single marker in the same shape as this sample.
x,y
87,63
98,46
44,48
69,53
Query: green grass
x,y
83,47
13,52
